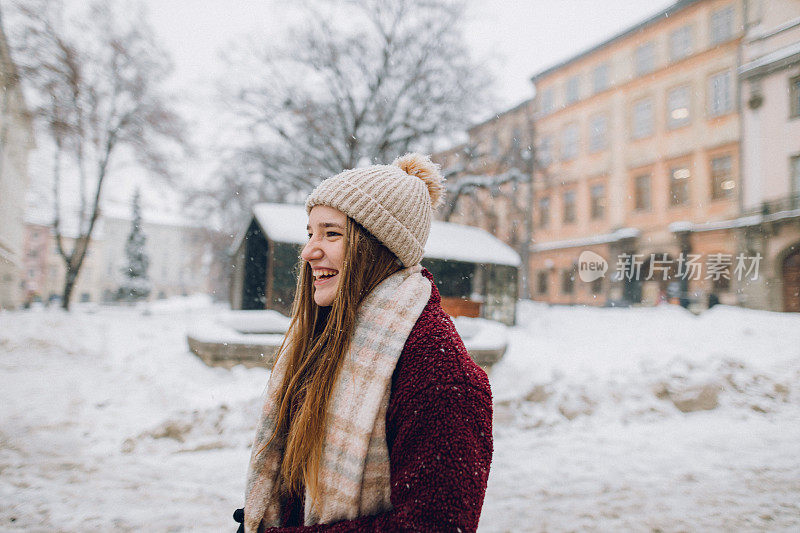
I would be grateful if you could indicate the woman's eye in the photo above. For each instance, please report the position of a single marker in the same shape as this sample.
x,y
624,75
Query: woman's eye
x,y
333,234
309,236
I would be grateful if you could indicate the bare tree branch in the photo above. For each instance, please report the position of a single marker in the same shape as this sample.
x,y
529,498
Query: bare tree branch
x,y
95,82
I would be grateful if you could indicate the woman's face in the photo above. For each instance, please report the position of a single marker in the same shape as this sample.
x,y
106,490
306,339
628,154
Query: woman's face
x,y
324,251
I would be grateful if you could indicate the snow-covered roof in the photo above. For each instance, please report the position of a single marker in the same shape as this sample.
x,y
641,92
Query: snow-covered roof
x,y
282,222
457,242
287,223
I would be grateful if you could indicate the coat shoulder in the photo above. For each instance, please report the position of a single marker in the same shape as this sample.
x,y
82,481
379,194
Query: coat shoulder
x,y
434,354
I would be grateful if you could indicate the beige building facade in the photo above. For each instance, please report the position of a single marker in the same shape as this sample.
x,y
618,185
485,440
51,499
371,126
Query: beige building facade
x,y
178,254
770,101
16,141
176,250
44,269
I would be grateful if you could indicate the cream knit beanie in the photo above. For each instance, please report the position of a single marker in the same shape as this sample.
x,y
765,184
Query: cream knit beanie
x,y
393,202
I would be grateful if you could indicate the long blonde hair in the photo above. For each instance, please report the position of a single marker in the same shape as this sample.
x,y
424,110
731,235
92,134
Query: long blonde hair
x,y
316,343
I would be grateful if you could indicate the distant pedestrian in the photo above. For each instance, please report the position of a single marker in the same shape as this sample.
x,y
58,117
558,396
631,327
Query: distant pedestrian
x,y
713,300
375,417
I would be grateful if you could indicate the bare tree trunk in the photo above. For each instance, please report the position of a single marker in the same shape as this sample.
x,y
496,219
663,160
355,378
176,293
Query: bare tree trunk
x,y
525,249
69,284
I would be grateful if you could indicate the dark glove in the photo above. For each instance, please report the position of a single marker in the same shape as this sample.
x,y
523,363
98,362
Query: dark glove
x,y
238,515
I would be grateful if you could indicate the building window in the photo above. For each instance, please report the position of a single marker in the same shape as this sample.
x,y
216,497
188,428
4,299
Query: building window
x,y
569,206
722,182
678,100
645,58
641,192
516,141
544,211
598,133
546,151
597,286
721,25
720,99
679,186
680,43
568,281
598,197
642,118
569,143
547,101
542,279
573,90
794,94
495,150
600,77
795,185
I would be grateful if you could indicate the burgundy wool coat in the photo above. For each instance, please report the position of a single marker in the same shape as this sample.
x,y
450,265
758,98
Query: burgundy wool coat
x,y
439,435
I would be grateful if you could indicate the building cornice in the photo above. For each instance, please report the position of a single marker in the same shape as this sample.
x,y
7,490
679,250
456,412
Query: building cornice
x,y
780,59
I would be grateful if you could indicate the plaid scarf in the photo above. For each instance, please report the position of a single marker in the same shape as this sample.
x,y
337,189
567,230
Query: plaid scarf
x,y
354,468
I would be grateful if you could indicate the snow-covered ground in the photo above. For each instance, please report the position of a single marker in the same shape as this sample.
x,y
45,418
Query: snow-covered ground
x,y
605,420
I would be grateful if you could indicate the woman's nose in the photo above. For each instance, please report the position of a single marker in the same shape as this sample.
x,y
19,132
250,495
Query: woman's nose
x,y
311,251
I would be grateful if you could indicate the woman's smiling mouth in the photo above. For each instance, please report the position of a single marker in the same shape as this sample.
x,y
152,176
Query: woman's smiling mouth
x,y
323,275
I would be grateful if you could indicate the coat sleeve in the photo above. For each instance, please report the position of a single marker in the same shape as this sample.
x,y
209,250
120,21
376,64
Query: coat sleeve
x,y
440,441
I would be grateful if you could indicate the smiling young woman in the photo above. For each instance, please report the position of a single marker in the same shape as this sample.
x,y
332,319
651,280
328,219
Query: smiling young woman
x,y
375,417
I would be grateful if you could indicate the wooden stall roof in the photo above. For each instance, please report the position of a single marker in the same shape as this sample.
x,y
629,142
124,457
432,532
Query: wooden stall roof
x,y
286,223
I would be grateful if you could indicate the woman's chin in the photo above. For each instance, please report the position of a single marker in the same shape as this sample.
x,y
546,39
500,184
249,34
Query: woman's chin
x,y
324,298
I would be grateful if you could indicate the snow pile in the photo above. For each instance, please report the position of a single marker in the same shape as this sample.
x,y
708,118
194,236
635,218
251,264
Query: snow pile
x,y
177,304
605,419
481,334
617,364
267,321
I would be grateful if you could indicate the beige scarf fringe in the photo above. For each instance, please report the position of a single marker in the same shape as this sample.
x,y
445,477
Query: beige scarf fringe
x,y
354,470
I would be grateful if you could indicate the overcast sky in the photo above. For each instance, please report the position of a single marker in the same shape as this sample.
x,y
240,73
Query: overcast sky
x,y
516,37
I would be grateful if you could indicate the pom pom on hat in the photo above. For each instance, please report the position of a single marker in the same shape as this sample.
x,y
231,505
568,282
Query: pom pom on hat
x,y
423,168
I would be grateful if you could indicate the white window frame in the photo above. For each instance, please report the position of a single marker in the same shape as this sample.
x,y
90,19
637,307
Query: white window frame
x,y
547,101
642,118
597,202
680,43
569,210
570,138
646,200
718,192
794,173
601,77
544,211
794,97
546,151
679,97
720,93
598,136
645,58
572,90
721,25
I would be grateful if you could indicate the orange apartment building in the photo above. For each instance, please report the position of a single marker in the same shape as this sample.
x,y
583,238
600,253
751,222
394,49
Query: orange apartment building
x,y
638,149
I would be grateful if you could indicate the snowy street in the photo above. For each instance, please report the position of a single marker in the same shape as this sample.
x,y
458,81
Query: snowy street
x,y
605,420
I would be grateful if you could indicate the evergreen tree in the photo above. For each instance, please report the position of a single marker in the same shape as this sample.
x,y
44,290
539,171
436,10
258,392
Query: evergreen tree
x,y
136,285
